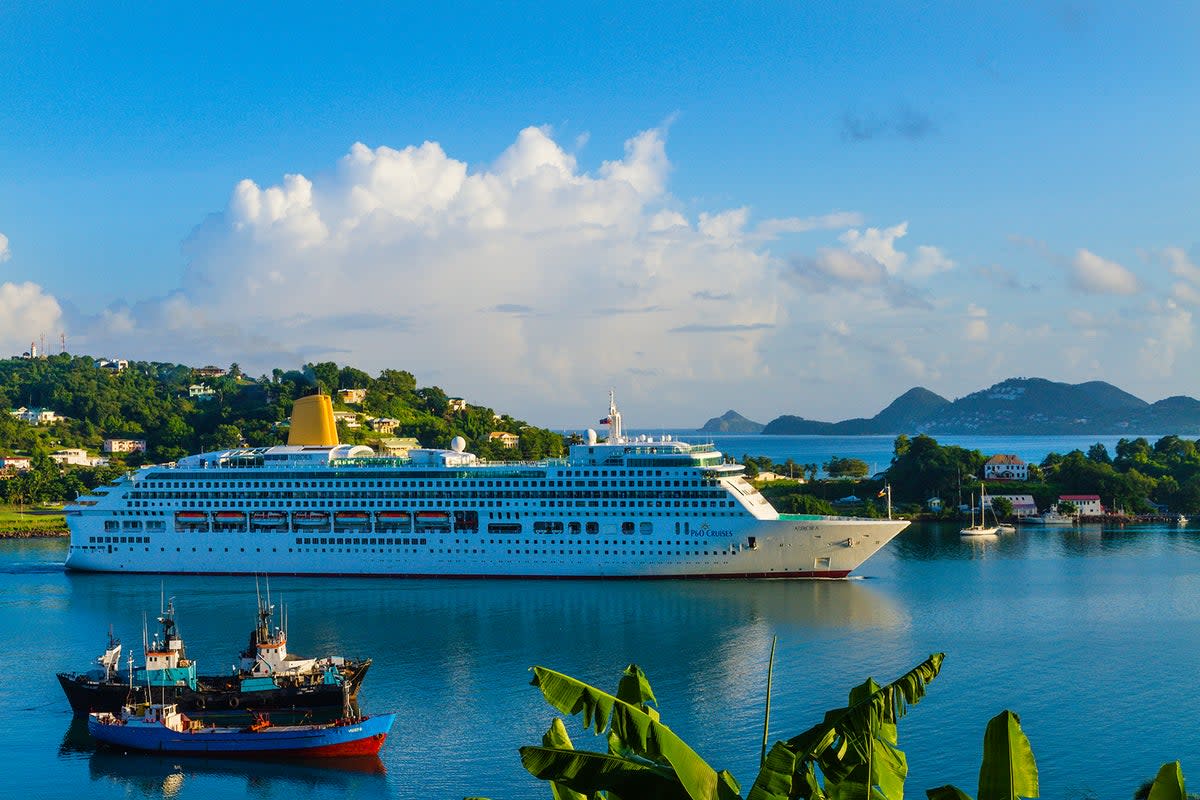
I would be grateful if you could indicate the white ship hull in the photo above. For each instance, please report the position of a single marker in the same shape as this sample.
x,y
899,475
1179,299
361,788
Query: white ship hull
x,y
785,548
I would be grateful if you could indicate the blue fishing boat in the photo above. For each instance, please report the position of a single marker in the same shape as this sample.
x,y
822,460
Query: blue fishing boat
x,y
163,728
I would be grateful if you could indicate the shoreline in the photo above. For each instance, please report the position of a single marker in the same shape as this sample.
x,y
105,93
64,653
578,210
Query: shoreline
x,y
35,533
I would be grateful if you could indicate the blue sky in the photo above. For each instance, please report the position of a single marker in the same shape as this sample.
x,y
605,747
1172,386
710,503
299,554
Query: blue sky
x,y
780,208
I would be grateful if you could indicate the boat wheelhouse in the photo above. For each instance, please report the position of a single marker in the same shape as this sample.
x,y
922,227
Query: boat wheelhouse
x,y
627,506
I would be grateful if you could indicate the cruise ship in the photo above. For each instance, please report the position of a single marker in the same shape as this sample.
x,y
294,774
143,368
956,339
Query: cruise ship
x,y
624,507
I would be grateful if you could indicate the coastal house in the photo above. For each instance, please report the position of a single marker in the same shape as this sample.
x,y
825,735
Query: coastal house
x,y
1023,504
384,425
506,439
1003,467
352,397
456,404
201,392
76,457
398,447
37,416
209,372
124,446
1087,504
347,418
934,504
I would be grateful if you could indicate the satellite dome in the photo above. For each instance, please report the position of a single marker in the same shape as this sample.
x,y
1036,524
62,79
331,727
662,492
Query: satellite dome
x,y
458,444
591,436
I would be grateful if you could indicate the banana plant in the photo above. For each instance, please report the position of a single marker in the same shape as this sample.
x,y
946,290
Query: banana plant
x,y
852,754
645,758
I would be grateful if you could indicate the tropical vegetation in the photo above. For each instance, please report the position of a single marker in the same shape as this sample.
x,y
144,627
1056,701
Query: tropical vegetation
x,y
851,754
1139,477
151,401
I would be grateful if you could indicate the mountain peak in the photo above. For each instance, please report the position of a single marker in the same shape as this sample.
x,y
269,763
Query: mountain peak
x,y
731,422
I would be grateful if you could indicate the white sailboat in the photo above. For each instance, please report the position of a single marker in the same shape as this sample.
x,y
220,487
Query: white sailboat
x,y
982,529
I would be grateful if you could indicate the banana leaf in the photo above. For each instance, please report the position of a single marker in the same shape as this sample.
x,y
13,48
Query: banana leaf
x,y
558,738
638,732
634,689
854,747
586,774
1008,770
1168,784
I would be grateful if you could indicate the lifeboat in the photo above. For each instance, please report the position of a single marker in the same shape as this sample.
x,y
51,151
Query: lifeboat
x,y
310,519
191,518
351,518
230,516
269,519
392,516
433,516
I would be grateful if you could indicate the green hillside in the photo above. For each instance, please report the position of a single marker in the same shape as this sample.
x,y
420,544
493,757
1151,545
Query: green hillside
x,y
150,401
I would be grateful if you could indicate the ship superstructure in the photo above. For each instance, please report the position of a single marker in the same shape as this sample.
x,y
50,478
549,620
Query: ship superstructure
x,y
628,506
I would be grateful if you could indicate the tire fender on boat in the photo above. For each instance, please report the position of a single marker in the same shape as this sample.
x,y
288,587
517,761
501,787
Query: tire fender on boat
x,y
233,701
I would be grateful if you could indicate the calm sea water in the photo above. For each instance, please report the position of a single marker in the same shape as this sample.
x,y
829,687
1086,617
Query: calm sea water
x,y
877,450
1090,635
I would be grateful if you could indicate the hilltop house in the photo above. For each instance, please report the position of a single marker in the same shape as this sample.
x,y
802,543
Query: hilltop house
x,y
1088,505
111,364
352,397
37,416
1003,467
398,447
506,439
209,372
347,418
124,446
384,425
456,404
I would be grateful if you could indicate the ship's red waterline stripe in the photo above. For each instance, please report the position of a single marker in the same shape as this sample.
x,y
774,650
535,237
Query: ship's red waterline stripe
x,y
369,746
825,574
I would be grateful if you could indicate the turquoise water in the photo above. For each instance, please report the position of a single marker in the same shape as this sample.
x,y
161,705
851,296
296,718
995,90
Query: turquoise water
x,y
1090,635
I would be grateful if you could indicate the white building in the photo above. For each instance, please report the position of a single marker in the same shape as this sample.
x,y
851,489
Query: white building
x,y
352,397
37,416
1088,505
347,418
201,392
1003,467
1023,504
14,464
457,404
112,364
77,457
124,446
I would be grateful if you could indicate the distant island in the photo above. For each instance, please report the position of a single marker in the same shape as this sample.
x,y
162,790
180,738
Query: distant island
x,y
731,422
1017,406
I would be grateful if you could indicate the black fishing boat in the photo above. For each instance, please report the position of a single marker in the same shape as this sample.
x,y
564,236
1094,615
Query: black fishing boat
x,y
267,677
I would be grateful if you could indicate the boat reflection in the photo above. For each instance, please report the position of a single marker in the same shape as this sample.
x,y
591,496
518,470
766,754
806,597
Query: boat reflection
x,y
164,776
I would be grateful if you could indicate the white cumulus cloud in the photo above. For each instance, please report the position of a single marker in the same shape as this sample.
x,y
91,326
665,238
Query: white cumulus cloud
x,y
410,257
5,253
26,313
1097,275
